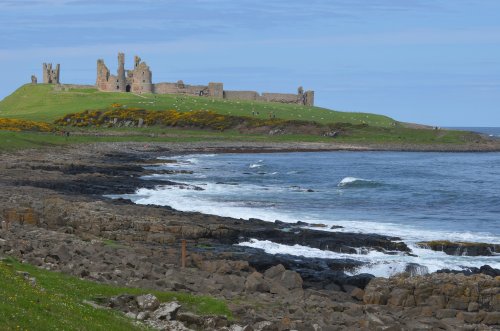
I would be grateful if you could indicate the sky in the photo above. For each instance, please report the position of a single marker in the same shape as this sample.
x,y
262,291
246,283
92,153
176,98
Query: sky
x,y
435,62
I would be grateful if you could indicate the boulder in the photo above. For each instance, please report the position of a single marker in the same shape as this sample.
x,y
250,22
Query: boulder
x,y
233,283
274,272
131,315
265,326
377,292
492,318
446,313
142,315
357,294
360,280
166,311
190,319
255,283
124,302
290,280
147,302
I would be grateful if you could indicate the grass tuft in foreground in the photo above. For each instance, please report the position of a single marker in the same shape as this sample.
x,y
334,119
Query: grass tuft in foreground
x,y
56,302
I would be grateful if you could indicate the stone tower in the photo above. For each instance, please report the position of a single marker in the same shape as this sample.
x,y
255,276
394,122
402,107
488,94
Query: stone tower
x,y
121,84
216,90
50,76
309,98
141,78
103,76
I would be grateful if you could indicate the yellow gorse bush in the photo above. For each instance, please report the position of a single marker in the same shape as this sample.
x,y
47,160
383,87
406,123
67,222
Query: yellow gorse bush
x,y
197,119
116,116
11,124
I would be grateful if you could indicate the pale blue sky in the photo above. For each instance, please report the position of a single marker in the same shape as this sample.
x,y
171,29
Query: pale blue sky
x,y
434,62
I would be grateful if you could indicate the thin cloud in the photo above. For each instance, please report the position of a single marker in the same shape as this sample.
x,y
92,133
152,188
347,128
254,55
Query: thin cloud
x,y
72,22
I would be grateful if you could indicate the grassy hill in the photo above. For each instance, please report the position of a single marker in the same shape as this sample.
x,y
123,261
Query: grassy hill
x,y
43,103
47,103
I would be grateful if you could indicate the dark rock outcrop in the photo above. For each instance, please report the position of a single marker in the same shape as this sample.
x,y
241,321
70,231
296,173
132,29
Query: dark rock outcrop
x,y
462,248
485,270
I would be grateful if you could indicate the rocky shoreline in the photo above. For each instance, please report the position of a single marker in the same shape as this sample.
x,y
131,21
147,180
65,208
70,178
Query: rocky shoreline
x,y
53,201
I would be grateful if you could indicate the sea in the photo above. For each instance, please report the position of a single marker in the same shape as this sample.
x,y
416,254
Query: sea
x,y
415,196
493,132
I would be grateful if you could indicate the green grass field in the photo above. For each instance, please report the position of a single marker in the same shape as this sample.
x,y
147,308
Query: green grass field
x,y
60,306
10,141
42,103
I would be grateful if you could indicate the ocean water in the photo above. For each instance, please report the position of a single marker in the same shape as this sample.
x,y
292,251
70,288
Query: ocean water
x,y
415,196
493,132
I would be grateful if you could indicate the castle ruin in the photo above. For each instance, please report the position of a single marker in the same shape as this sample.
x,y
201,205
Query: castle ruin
x,y
139,80
51,76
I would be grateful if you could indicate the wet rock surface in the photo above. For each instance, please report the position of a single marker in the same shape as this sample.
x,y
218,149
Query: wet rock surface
x,y
462,248
58,220
68,195
485,269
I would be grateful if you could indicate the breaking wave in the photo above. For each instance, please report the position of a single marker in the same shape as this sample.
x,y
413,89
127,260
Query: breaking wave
x,y
380,264
357,182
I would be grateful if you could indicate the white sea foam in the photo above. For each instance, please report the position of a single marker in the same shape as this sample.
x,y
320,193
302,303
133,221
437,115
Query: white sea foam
x,y
411,233
353,181
348,180
225,199
380,264
186,161
206,201
215,200
187,156
170,177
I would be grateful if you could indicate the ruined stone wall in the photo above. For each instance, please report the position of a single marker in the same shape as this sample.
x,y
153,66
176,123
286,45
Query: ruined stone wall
x,y
103,76
181,88
111,85
199,90
216,90
107,82
300,98
142,78
241,95
309,98
281,97
165,88
51,76
139,80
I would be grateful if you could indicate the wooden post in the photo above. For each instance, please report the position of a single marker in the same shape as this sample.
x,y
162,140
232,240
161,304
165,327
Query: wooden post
x,y
183,253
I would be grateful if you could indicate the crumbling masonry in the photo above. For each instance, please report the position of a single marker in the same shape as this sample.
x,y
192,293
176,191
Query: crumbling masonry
x,y
50,76
139,80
